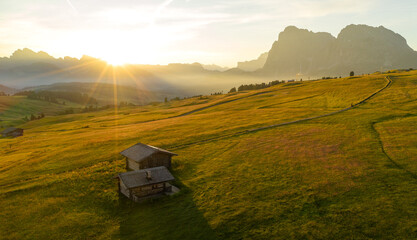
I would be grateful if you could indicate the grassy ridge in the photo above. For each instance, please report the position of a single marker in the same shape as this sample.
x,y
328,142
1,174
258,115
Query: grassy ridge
x,y
324,178
14,108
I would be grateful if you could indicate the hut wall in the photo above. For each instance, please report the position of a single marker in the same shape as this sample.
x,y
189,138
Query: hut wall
x,y
148,190
156,160
131,164
123,189
18,133
163,159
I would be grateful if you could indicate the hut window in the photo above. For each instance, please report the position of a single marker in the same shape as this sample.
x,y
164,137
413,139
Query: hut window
x,y
159,185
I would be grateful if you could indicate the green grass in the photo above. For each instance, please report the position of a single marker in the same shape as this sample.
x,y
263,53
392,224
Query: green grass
x,y
345,176
14,108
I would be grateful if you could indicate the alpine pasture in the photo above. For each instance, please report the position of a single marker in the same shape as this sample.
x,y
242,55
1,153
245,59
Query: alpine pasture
x,y
347,175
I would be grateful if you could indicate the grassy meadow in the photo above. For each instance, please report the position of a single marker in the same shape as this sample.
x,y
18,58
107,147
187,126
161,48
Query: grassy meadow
x,y
14,108
351,175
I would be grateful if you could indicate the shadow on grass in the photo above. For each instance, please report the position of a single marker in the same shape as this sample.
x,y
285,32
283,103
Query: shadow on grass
x,y
168,217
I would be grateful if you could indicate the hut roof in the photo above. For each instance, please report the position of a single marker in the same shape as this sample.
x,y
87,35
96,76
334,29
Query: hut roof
x,y
140,178
139,152
10,129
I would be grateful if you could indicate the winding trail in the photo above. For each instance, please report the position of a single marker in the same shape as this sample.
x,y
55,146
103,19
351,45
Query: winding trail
x,y
291,101
204,108
395,163
389,82
220,103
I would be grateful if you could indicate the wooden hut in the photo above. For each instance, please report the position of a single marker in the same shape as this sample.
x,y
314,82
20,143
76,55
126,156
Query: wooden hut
x,y
12,132
142,184
141,156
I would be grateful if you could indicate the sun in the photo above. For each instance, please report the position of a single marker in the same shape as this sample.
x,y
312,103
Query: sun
x,y
120,47
115,61
115,58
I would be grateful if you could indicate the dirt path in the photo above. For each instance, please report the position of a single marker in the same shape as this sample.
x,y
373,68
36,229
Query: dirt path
x,y
389,82
291,101
327,114
203,108
381,144
241,132
220,103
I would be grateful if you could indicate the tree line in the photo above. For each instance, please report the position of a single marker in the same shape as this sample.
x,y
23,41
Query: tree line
x,y
54,97
33,117
255,86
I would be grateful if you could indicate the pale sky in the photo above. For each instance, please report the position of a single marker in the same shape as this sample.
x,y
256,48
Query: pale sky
x,y
166,31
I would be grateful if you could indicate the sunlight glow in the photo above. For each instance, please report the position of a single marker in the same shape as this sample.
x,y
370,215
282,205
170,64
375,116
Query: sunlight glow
x,y
165,31
115,61
121,47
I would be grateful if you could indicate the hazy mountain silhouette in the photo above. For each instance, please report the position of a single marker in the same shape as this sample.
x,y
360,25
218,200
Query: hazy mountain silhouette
x,y
253,65
214,67
7,90
360,48
26,68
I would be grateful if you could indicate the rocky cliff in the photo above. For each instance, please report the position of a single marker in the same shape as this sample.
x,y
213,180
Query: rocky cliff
x,y
358,48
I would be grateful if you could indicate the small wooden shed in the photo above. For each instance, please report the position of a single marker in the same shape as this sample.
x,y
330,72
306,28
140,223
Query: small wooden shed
x,y
141,156
142,184
12,132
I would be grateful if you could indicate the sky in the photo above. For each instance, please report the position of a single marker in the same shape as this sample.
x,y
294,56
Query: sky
x,y
184,31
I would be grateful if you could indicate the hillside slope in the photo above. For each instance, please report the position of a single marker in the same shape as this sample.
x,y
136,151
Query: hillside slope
x,y
7,90
106,93
338,176
14,108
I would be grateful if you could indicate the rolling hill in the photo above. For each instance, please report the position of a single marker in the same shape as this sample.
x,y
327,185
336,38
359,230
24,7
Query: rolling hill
x,y
7,90
106,93
325,159
13,109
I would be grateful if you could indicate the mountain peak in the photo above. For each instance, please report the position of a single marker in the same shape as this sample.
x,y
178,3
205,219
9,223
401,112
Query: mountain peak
x,y
292,28
360,48
296,33
28,54
380,36
369,31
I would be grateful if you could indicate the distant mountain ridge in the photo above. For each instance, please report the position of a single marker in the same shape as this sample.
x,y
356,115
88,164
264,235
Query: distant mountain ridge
x,y
26,68
358,48
297,52
7,90
214,67
253,65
